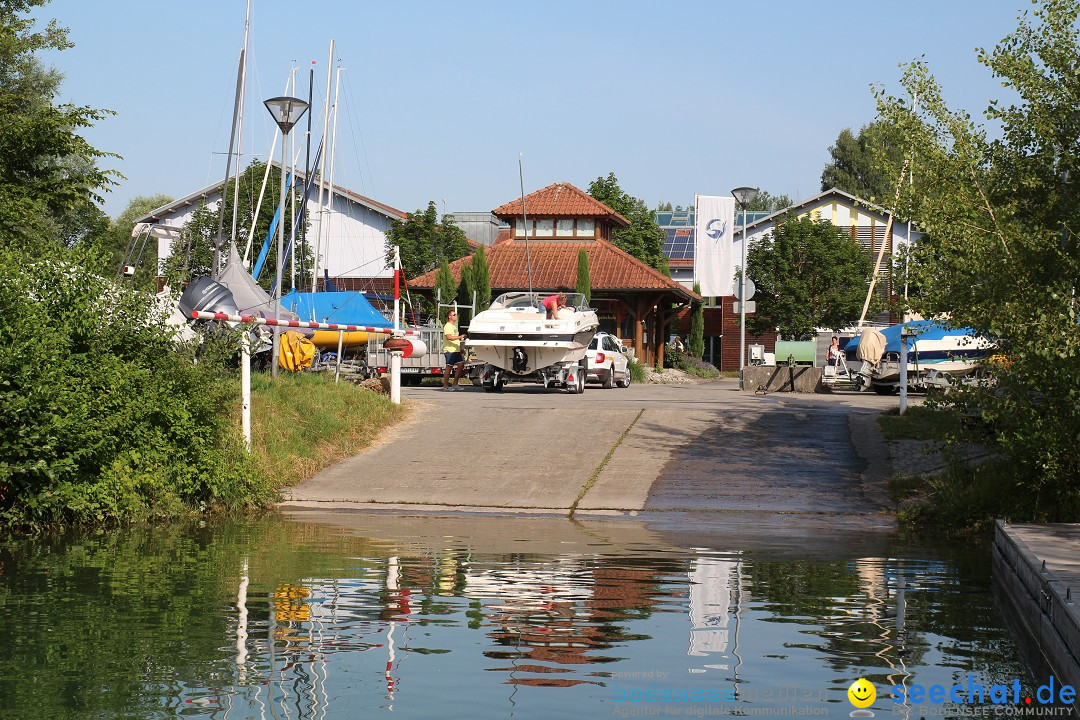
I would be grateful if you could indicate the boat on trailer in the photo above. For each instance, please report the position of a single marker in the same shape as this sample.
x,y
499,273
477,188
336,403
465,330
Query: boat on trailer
x,y
517,341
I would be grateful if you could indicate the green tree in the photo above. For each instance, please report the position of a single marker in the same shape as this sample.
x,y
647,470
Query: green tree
x,y
864,165
481,275
424,242
1001,252
50,184
445,288
466,285
808,275
643,238
696,344
766,202
116,246
584,286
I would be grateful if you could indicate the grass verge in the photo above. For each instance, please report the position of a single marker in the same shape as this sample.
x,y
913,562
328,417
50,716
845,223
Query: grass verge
x,y
919,423
304,422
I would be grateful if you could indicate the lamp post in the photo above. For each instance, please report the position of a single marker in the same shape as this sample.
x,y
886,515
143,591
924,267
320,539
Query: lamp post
x,y
743,196
286,111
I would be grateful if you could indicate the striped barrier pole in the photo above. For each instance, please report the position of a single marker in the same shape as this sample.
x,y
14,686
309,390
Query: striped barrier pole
x,y
200,315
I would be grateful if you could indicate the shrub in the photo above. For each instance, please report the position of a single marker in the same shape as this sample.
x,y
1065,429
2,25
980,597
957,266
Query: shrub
x,y
105,418
698,367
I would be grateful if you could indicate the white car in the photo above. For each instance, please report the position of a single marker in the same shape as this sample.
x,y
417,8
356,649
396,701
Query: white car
x,y
608,364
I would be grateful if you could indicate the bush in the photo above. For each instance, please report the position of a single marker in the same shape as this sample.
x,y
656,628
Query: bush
x,y
105,418
638,374
697,367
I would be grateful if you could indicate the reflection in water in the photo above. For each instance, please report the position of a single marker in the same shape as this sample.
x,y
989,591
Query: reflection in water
x,y
277,619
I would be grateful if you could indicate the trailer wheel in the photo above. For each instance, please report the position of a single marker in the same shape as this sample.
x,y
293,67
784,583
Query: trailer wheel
x,y
582,373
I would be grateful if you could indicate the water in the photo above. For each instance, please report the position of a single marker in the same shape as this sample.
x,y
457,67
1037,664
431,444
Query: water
x,y
474,617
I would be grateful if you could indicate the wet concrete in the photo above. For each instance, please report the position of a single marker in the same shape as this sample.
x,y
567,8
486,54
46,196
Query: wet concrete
x,y
703,447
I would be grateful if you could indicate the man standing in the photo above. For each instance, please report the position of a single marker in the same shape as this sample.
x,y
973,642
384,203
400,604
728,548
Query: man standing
x,y
452,351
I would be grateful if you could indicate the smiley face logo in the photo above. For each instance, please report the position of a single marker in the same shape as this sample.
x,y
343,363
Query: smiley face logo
x,y
861,694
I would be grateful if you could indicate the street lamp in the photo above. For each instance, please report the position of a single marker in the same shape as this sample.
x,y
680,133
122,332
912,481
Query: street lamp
x,y
286,111
743,196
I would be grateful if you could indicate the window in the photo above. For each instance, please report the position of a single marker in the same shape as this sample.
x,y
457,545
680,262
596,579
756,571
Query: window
x,y
586,227
565,227
518,225
545,227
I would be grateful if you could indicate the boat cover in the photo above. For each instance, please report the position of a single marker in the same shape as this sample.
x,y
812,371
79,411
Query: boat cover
x,y
344,308
919,330
248,295
870,346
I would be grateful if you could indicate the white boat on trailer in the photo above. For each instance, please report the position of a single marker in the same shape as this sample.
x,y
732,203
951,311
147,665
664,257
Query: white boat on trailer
x,y
516,341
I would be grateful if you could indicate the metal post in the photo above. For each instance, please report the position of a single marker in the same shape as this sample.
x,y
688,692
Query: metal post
x,y
280,250
742,307
903,369
395,377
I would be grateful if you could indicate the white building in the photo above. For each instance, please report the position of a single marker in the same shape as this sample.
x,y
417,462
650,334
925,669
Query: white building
x,y
352,247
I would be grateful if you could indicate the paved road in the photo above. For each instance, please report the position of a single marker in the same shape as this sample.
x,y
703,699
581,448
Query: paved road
x,y
693,447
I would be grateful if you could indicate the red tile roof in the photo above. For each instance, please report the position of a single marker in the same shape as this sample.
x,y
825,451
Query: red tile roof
x,y
560,200
554,265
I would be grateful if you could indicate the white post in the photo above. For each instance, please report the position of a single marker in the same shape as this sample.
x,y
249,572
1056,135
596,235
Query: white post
x,y
903,369
245,388
395,377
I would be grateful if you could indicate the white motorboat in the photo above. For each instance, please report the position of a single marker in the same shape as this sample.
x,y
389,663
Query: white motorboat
x,y
514,334
934,350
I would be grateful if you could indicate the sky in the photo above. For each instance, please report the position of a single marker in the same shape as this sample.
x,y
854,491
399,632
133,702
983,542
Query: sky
x,y
439,101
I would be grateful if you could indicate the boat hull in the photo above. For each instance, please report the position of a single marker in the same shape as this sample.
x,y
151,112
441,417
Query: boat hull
x,y
520,340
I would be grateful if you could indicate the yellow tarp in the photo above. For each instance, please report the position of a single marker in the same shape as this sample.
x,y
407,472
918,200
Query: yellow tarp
x,y
296,351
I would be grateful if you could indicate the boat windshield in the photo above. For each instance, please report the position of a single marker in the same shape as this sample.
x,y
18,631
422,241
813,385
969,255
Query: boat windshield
x,y
525,300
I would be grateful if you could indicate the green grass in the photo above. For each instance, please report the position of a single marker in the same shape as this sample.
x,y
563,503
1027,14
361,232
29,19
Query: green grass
x,y
919,423
964,500
304,422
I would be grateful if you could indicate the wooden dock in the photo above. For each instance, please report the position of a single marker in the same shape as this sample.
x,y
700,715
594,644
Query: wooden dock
x,y
1037,572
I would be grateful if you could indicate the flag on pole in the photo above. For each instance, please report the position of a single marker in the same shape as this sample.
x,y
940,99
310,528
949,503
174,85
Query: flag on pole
x,y
714,245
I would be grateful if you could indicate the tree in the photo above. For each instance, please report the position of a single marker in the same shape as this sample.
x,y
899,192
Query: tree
x,y
50,184
865,165
112,246
466,285
808,275
445,289
696,343
584,286
766,202
1001,252
481,276
643,238
424,242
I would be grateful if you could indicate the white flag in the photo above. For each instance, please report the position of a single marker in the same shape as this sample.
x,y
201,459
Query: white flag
x,y
714,245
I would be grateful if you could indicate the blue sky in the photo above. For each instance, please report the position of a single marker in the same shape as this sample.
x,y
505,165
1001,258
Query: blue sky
x,y
438,99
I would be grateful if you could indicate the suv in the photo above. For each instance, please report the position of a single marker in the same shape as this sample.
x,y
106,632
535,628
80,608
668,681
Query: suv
x,y
607,361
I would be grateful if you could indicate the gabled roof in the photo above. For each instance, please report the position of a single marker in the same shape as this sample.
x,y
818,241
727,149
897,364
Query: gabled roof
x,y
554,267
200,197
818,199
560,199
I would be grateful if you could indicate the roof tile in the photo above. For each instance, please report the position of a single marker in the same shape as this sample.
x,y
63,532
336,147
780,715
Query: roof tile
x,y
560,199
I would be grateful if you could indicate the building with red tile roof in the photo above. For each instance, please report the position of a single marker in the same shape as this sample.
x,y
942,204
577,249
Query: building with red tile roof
x,y
634,301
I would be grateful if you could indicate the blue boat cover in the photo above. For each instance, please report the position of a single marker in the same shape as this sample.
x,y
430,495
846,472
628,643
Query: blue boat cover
x,y
924,329
343,308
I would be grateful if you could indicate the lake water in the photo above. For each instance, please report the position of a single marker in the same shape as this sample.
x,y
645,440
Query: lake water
x,y
347,616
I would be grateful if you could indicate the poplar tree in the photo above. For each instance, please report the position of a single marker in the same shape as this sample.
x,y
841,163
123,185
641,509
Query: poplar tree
x,y
584,286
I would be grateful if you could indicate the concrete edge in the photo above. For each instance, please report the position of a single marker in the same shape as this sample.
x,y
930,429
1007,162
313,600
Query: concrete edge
x,y
871,448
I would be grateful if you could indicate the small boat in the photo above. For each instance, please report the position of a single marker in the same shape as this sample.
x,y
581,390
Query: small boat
x,y
341,307
515,335
933,348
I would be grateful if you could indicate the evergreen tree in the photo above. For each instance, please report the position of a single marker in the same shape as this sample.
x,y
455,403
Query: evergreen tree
x,y
696,344
481,276
445,289
584,286
643,239
424,242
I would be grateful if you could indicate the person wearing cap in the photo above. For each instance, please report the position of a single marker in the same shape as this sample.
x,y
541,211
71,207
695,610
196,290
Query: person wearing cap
x,y
452,351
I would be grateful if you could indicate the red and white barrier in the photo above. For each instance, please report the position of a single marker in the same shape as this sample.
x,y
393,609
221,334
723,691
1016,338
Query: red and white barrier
x,y
198,315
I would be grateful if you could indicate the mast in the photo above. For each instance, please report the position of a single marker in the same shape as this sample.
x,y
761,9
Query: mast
x,y
228,166
240,124
326,131
525,220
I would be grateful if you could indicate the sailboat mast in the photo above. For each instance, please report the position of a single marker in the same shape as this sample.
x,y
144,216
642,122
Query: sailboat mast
x,y
242,92
228,167
322,189
525,219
